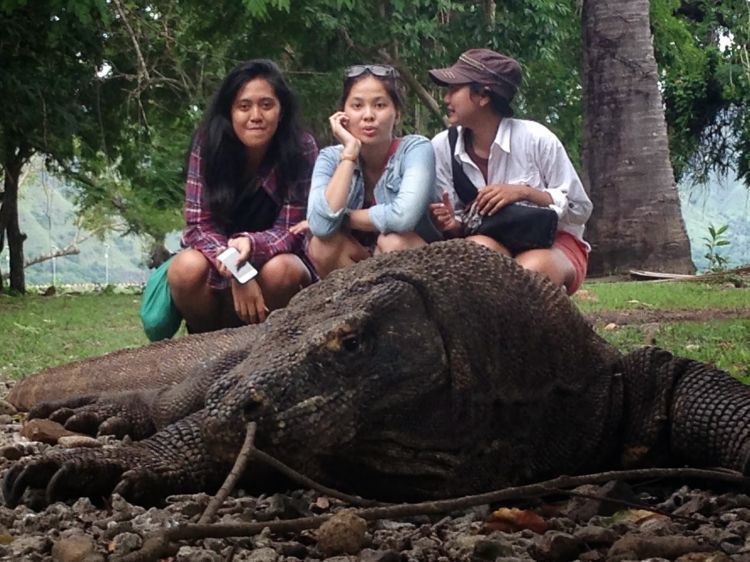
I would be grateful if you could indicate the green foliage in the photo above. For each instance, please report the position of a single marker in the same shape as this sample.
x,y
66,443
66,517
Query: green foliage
x,y
701,48
715,240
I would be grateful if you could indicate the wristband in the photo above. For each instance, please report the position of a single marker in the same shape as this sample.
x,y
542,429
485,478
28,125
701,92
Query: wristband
x,y
349,157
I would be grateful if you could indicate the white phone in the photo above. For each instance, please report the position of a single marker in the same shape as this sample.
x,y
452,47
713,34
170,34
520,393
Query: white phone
x,y
229,258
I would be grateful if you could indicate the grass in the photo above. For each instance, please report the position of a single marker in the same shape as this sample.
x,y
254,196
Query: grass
x,y
38,331
725,343
662,295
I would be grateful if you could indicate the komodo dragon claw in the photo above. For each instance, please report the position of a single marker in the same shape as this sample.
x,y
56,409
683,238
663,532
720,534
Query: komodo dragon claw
x,y
61,477
93,473
119,416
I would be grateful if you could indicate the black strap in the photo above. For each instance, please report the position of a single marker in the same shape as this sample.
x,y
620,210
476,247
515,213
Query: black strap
x,y
461,182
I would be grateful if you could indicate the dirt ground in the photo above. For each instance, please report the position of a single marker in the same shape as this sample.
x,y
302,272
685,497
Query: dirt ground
x,y
649,316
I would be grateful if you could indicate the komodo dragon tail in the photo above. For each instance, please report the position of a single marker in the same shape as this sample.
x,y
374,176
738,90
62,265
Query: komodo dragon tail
x,y
693,412
153,366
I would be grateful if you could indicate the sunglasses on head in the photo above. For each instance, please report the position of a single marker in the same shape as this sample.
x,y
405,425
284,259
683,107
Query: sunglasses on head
x,y
381,70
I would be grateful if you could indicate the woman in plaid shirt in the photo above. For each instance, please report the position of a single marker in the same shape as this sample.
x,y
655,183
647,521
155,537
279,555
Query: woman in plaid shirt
x,y
247,185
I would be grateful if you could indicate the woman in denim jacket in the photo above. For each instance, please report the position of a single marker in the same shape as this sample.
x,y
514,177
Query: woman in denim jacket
x,y
371,193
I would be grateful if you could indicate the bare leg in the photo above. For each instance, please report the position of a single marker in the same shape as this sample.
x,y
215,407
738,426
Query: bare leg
x,y
394,241
550,261
282,277
490,243
203,308
335,252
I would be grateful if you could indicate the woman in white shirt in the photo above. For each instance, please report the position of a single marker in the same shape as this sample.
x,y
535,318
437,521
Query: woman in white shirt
x,y
508,160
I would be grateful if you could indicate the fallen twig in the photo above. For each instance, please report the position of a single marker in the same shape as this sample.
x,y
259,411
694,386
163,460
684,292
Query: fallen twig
x,y
234,475
160,544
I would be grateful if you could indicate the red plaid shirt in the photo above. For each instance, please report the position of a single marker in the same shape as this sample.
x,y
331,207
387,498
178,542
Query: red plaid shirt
x,y
203,234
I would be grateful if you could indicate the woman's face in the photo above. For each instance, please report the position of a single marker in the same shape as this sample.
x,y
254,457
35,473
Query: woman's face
x,y
371,112
462,105
256,112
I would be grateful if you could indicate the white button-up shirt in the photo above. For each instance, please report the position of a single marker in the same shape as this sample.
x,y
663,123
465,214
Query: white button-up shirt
x,y
523,152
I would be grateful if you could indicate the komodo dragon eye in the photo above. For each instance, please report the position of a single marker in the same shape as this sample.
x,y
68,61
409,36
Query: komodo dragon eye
x,y
350,342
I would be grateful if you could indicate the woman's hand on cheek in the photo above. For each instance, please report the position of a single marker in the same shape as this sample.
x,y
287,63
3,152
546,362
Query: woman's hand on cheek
x,y
339,122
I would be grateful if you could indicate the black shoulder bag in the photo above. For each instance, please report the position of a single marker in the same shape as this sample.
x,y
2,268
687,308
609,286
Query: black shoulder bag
x,y
518,227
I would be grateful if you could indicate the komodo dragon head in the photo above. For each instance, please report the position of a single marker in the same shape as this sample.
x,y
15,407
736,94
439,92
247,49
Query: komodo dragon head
x,y
334,361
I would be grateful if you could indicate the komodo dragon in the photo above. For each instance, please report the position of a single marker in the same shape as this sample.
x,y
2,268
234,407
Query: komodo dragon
x,y
434,372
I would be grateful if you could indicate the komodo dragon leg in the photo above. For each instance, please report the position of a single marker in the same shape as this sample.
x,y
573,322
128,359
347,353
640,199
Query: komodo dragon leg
x,y
174,460
682,410
142,412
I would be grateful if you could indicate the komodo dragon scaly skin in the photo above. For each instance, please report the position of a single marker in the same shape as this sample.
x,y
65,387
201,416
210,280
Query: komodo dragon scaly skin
x,y
433,372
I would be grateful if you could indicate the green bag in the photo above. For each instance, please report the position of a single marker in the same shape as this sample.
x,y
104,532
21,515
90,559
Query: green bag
x,y
159,315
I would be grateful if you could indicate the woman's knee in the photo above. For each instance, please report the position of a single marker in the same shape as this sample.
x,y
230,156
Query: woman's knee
x,y
490,243
188,270
285,271
551,262
394,241
323,250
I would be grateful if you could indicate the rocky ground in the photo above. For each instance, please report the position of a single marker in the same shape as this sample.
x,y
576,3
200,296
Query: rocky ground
x,y
655,521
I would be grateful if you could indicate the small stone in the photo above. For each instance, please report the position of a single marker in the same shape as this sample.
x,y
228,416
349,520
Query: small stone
x,y
11,452
125,543
265,554
370,555
71,441
344,533
704,557
293,548
488,549
73,549
7,409
193,554
592,535
45,431
639,547
555,546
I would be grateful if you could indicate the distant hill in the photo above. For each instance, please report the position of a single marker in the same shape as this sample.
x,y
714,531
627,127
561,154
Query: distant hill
x,y
47,217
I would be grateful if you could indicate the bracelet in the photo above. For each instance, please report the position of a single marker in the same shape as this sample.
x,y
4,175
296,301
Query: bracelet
x,y
349,157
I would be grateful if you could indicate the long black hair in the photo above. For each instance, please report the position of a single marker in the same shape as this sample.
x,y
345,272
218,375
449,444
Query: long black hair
x,y
223,154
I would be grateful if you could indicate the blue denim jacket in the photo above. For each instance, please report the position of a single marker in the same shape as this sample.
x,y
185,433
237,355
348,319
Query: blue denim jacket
x,y
403,193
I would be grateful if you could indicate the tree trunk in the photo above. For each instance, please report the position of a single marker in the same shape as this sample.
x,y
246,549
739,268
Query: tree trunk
x,y
12,165
637,221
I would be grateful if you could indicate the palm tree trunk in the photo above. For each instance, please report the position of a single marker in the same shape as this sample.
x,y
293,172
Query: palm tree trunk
x,y
637,221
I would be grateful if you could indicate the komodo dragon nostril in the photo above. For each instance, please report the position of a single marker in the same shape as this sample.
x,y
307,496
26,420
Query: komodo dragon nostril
x,y
254,404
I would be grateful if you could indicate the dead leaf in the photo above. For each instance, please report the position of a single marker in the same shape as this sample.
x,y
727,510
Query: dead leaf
x,y
636,516
611,326
585,295
512,519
